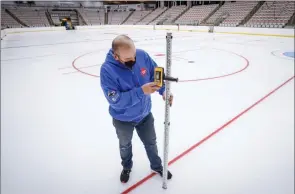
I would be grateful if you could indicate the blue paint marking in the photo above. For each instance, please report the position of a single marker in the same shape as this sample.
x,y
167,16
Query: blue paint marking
x,y
289,54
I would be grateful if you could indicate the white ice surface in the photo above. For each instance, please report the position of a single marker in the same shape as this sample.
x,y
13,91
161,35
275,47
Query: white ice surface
x,y
57,136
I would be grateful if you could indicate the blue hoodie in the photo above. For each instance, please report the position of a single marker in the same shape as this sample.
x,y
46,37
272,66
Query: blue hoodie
x,y
122,86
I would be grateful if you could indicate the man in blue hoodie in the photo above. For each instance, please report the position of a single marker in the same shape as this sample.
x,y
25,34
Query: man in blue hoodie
x,y
127,77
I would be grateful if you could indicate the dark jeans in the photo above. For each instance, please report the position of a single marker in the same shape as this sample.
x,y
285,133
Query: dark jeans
x,y
146,132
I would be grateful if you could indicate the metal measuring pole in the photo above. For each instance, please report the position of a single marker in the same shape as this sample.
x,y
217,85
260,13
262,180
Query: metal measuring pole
x,y
167,108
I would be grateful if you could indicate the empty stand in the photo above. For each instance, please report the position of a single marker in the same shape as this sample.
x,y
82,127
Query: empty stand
x,y
33,17
196,14
136,17
117,18
272,14
233,13
237,12
170,15
152,16
92,16
7,21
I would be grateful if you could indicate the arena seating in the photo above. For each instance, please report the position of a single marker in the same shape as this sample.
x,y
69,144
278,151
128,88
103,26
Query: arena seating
x,y
196,14
7,21
237,12
152,16
117,18
33,17
272,14
136,17
170,15
92,16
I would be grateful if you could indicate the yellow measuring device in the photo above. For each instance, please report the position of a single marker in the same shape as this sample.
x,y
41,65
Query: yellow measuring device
x,y
159,76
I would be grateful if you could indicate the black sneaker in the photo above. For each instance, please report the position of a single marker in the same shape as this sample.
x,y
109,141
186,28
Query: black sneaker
x,y
169,175
125,175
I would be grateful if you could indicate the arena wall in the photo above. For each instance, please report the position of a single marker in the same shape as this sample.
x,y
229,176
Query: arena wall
x,y
277,32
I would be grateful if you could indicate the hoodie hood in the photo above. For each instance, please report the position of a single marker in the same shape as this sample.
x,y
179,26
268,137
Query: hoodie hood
x,y
110,59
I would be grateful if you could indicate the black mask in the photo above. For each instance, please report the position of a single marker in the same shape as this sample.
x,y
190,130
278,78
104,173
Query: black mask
x,y
130,63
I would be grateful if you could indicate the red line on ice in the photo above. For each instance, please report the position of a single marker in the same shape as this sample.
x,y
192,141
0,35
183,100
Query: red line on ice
x,y
191,80
206,138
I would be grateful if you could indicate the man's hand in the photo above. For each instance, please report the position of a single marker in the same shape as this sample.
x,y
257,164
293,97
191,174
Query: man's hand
x,y
170,99
150,88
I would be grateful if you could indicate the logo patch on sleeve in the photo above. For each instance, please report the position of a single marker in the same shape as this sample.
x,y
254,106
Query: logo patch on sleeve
x,y
143,71
113,95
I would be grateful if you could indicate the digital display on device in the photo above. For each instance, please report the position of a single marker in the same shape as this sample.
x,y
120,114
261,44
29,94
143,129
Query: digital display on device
x,y
159,76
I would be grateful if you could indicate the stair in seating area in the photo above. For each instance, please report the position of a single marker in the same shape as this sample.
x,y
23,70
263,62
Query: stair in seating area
x,y
130,14
213,12
183,12
251,13
16,18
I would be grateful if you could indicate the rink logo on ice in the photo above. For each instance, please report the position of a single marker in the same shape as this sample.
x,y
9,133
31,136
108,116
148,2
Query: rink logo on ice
x,y
143,71
113,95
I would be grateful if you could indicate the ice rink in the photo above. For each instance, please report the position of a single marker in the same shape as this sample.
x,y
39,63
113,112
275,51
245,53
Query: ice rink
x,y
232,121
